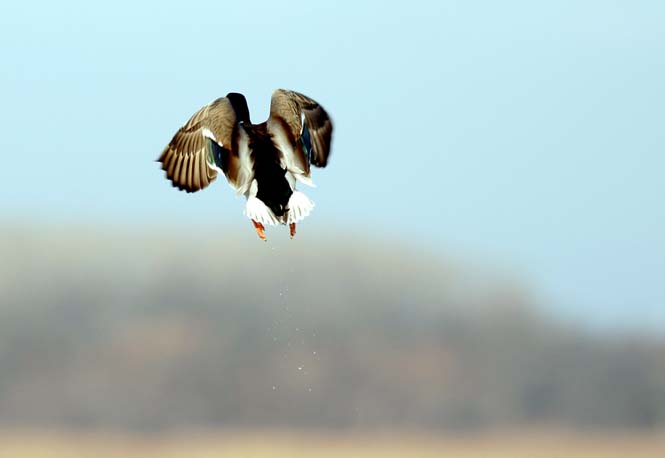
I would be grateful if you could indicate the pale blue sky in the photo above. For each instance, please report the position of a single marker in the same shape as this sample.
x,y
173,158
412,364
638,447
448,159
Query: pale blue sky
x,y
527,134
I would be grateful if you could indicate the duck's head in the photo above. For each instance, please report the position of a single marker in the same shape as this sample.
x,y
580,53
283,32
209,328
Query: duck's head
x,y
239,105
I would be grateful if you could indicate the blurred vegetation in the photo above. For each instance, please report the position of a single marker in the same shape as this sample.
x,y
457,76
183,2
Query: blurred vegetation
x,y
183,328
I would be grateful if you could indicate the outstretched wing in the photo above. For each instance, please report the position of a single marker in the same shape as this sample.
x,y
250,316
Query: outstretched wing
x,y
211,141
301,130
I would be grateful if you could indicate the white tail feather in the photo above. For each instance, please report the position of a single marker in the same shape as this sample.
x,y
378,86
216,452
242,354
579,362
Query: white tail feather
x,y
259,212
299,207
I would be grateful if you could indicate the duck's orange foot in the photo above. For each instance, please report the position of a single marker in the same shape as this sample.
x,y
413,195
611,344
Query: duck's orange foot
x,y
260,230
292,229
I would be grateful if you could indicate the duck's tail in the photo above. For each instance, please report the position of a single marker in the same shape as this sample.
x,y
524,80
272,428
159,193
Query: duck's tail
x,y
299,206
259,212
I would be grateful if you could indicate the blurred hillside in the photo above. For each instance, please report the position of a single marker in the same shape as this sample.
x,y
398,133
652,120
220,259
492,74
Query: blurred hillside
x,y
185,329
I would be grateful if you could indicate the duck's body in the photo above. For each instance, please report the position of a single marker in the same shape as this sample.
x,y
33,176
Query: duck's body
x,y
262,161
273,189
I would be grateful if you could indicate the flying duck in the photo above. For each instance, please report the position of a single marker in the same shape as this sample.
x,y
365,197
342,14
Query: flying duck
x,y
263,161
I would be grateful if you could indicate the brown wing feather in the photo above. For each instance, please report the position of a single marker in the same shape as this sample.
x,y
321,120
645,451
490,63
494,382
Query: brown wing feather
x,y
187,159
287,110
181,154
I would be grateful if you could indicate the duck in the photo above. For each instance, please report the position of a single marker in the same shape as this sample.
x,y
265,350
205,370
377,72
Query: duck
x,y
263,162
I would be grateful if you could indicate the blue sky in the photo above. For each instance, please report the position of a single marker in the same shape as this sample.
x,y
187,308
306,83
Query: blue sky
x,y
526,134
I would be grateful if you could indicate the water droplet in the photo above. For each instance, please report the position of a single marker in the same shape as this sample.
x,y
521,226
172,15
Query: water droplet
x,y
299,368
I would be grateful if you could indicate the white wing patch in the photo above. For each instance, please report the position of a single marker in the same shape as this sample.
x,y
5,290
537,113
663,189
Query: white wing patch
x,y
304,179
208,134
214,167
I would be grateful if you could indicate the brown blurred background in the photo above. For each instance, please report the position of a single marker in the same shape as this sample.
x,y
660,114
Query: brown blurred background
x,y
165,333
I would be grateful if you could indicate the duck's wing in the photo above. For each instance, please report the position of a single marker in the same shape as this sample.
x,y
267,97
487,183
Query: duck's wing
x,y
302,131
211,141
